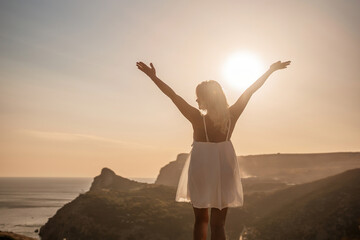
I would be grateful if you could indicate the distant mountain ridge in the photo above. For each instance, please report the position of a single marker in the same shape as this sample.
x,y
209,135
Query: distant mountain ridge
x,y
299,168
289,168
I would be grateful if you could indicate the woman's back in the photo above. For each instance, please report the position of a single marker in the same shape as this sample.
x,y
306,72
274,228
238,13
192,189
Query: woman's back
x,y
214,133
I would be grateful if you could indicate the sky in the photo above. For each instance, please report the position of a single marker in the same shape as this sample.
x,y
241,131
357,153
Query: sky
x,y
72,100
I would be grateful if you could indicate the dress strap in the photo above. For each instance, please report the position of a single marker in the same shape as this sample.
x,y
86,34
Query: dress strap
x,y
207,138
227,135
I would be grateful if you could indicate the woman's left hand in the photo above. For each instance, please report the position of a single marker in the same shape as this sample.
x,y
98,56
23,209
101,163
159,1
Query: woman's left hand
x,y
150,71
279,65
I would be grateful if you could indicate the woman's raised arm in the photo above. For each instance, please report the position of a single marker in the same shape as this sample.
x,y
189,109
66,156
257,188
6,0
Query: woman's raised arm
x,y
238,107
186,109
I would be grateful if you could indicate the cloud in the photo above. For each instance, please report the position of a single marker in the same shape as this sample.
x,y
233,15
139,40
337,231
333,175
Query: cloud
x,y
63,136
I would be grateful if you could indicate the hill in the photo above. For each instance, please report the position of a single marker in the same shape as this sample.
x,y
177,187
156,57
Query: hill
x,y
325,209
124,209
118,208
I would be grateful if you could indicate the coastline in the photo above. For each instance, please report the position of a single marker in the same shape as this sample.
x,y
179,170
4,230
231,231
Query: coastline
x,y
27,203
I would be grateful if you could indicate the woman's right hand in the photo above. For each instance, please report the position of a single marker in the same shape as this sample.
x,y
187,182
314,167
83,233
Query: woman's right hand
x,y
150,71
279,65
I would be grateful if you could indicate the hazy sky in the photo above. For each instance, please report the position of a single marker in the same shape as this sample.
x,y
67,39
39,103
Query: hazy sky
x,y
73,101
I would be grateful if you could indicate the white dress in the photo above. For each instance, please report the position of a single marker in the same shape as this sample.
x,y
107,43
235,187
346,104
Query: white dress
x,y
211,176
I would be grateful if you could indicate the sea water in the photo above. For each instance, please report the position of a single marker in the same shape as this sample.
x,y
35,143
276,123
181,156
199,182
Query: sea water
x,y
26,204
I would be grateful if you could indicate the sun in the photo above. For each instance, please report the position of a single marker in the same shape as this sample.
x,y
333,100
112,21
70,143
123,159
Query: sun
x,y
242,69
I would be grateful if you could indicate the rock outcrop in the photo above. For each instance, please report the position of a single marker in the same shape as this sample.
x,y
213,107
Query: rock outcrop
x,y
108,180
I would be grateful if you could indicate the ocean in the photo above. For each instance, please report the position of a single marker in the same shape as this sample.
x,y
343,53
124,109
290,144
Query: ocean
x,y
27,203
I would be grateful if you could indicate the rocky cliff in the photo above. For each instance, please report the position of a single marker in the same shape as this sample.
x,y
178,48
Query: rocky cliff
x,y
170,174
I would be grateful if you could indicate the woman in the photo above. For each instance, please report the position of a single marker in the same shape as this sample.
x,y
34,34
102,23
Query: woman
x,y
211,175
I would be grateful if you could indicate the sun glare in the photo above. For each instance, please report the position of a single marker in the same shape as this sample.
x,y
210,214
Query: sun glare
x,y
242,69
